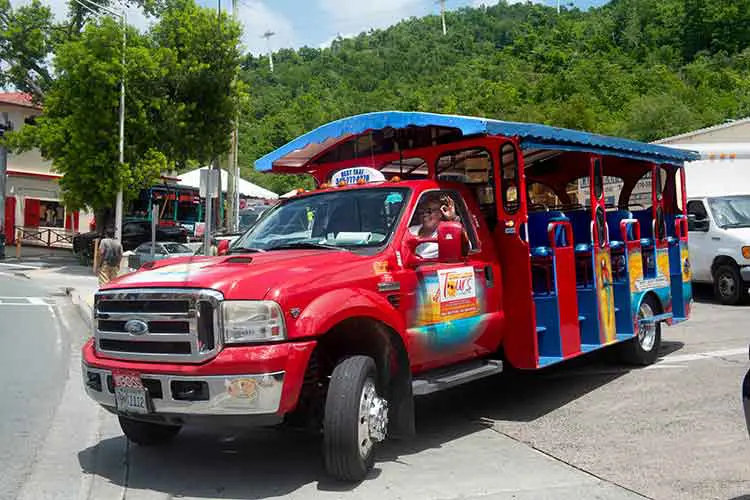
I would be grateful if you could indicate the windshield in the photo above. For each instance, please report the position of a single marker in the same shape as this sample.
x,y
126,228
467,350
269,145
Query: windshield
x,y
731,211
249,216
176,248
351,219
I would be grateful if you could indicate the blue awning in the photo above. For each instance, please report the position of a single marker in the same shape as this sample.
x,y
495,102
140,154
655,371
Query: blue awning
x,y
531,135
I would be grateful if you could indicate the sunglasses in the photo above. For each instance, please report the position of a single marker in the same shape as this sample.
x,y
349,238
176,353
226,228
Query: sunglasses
x,y
427,211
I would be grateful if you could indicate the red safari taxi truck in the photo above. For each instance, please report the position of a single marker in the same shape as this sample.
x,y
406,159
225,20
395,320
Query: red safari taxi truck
x,y
433,250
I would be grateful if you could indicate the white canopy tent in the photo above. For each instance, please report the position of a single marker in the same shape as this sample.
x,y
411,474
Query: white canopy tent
x,y
193,178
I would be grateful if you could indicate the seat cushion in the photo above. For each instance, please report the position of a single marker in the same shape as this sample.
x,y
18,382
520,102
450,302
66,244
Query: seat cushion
x,y
583,247
672,240
647,242
541,251
617,245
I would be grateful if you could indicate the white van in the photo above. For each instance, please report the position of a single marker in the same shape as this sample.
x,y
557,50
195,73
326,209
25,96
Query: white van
x,y
718,189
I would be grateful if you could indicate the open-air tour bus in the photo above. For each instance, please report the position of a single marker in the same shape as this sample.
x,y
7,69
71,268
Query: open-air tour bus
x,y
584,236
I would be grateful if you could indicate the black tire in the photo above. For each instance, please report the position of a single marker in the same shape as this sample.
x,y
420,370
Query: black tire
x,y
147,433
341,444
728,286
643,349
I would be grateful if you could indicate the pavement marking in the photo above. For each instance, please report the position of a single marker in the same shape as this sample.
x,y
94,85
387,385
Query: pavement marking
x,y
679,358
26,301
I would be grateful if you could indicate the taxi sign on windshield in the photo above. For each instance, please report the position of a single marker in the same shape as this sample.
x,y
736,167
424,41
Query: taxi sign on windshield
x,y
357,174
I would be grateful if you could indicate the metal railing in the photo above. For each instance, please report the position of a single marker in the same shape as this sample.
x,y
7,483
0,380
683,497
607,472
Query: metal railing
x,y
45,236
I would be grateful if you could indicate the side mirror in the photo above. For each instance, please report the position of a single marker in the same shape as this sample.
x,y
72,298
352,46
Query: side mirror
x,y
452,245
695,224
223,247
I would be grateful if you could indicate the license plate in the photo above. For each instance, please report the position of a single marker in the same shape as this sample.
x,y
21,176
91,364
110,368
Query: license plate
x,y
130,394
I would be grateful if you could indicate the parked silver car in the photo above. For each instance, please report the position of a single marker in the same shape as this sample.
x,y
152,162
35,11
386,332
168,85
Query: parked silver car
x,y
162,250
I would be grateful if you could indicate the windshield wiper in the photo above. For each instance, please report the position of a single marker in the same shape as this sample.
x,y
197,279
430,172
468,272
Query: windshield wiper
x,y
736,224
305,244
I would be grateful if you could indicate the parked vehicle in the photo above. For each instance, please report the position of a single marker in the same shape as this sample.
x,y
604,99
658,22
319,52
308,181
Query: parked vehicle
x,y
134,232
249,216
161,250
419,263
719,219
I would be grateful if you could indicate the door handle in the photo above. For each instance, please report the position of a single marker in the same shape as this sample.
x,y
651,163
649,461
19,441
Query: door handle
x,y
488,278
715,238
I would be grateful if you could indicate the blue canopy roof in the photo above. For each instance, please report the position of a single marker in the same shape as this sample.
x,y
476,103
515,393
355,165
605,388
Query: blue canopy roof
x,y
533,136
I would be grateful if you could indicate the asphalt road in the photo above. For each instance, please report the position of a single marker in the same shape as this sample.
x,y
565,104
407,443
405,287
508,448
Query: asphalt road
x,y
33,362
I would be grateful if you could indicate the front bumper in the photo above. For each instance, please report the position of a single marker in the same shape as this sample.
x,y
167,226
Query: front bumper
x,y
239,381
251,394
746,399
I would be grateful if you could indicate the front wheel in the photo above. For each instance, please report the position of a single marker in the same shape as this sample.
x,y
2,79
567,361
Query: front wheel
x,y
643,349
356,418
147,433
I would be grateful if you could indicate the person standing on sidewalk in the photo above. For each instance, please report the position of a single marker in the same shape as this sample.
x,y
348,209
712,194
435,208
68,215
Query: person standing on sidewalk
x,y
110,257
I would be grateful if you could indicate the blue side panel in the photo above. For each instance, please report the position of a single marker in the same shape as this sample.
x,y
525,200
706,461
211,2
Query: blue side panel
x,y
623,316
587,306
535,134
675,279
548,317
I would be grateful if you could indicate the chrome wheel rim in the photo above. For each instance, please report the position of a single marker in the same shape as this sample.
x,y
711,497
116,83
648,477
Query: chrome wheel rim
x,y
372,419
727,286
646,331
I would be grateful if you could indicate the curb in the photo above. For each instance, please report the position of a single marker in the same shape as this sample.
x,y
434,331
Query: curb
x,y
85,309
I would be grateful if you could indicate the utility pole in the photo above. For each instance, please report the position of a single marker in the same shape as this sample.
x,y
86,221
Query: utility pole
x,y
267,35
4,125
442,14
558,7
233,177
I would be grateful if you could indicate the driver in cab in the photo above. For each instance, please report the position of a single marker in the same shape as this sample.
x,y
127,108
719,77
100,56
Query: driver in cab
x,y
433,208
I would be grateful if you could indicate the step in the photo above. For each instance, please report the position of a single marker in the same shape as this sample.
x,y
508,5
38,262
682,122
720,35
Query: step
x,y
445,378
624,336
589,347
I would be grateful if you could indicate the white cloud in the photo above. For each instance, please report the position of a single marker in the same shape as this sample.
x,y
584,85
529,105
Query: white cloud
x,y
257,18
356,16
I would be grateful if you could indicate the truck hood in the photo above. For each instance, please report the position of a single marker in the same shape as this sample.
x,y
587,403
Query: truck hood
x,y
741,233
245,276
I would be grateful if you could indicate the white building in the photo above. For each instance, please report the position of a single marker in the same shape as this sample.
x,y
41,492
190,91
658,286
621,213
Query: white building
x,y
33,196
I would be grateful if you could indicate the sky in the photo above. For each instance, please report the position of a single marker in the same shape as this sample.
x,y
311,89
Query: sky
x,y
315,23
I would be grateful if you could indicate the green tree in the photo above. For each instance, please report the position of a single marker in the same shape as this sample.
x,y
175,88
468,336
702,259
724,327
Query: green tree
x,y
79,128
200,56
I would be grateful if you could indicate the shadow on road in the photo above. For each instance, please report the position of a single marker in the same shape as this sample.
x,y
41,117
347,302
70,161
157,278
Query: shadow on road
x,y
262,463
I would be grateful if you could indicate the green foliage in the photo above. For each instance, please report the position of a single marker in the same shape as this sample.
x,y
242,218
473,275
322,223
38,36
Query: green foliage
x,y
644,69
178,109
79,127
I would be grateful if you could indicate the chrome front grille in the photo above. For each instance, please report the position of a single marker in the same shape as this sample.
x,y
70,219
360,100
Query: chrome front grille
x,y
174,325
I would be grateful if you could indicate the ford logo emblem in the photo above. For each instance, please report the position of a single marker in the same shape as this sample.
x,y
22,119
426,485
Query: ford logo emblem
x,y
136,327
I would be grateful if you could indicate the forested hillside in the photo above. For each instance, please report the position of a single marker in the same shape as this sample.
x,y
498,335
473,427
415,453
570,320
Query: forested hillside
x,y
643,69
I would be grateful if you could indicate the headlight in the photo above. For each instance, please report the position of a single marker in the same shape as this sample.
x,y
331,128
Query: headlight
x,y
252,321
746,252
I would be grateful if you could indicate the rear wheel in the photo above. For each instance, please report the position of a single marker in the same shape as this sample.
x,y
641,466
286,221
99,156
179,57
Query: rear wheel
x,y
355,420
147,433
728,286
643,349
